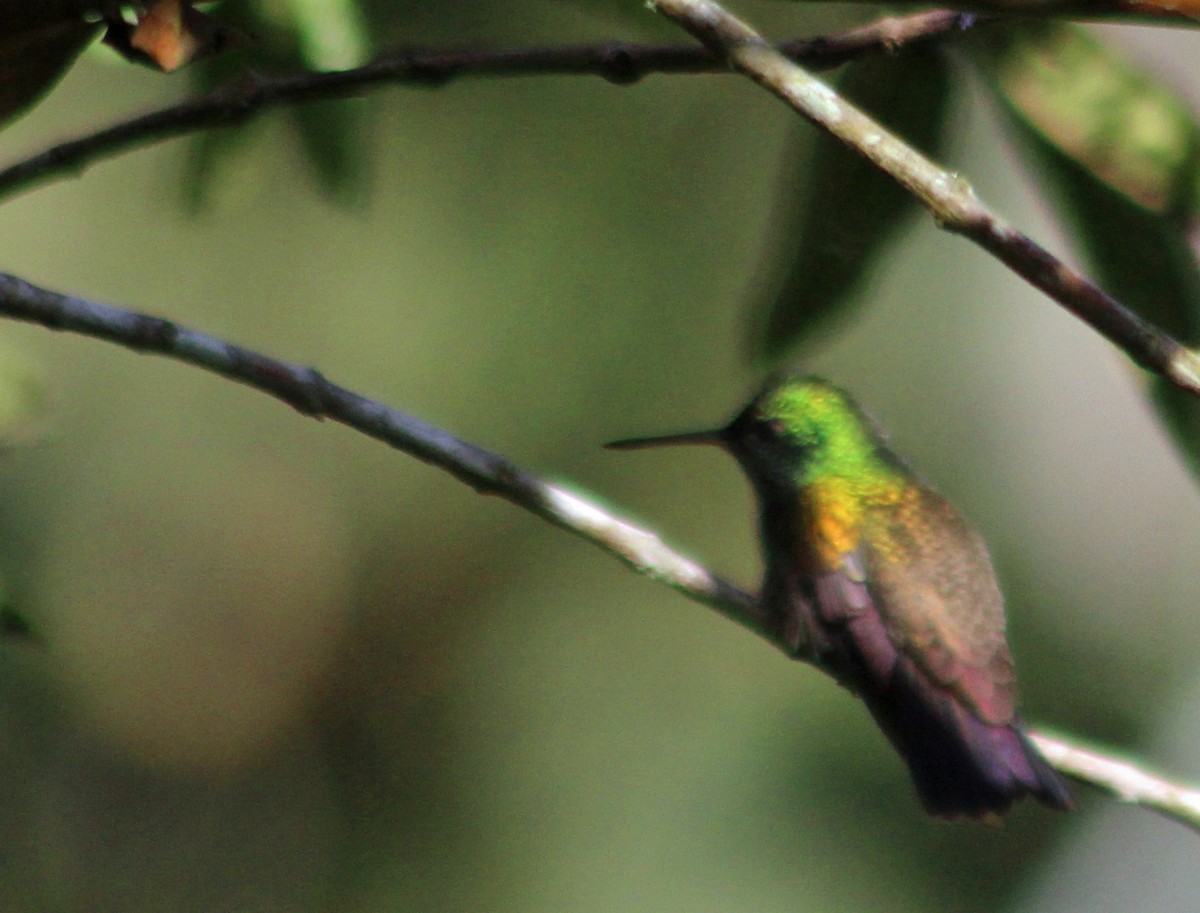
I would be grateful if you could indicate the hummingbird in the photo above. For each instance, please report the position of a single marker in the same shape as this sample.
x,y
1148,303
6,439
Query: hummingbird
x,y
873,577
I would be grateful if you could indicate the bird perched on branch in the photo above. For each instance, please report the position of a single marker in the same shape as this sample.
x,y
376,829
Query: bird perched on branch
x,y
878,580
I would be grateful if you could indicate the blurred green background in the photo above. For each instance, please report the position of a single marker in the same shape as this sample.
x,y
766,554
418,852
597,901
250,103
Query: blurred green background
x,y
286,668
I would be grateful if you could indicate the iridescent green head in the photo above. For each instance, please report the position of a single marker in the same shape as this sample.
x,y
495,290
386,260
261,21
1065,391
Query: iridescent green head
x,y
797,430
800,430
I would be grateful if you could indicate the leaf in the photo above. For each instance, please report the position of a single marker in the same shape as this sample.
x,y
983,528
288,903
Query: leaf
x,y
334,137
14,625
1099,109
1121,155
217,170
32,60
332,34
22,397
291,35
841,211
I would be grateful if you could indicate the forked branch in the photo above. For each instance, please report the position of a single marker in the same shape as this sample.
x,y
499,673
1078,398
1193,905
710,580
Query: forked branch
x,y
947,196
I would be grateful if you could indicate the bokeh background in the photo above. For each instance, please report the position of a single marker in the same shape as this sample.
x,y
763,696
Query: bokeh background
x,y
280,667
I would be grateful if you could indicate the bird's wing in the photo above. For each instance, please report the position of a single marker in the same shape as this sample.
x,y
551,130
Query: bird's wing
x,y
929,577
908,615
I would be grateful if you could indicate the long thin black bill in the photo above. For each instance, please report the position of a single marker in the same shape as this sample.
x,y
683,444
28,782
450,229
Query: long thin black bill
x,y
669,440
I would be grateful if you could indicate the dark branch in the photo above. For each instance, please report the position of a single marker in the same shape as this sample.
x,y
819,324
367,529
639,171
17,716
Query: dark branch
x,y
618,62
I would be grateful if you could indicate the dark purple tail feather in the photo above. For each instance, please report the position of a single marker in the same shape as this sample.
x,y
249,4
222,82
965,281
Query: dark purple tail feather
x,y
962,766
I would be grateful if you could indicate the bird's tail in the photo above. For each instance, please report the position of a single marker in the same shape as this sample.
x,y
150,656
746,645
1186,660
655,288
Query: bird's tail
x,y
961,765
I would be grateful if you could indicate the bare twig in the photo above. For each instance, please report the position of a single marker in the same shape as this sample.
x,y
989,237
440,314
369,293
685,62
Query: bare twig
x,y
617,61
1123,779
310,393
948,197
1147,12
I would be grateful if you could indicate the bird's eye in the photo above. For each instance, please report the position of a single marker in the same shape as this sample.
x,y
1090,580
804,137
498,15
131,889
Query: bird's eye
x,y
773,427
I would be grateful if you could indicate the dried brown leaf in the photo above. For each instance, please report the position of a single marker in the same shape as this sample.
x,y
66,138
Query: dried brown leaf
x,y
169,34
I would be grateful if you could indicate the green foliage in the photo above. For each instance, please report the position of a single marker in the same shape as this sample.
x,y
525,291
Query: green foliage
x,y
291,36
331,34
22,396
1097,108
1118,153
13,624
842,212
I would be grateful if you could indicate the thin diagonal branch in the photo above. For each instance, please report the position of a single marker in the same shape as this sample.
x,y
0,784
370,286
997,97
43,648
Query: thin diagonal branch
x,y
948,197
310,393
1124,780
1181,13
617,61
